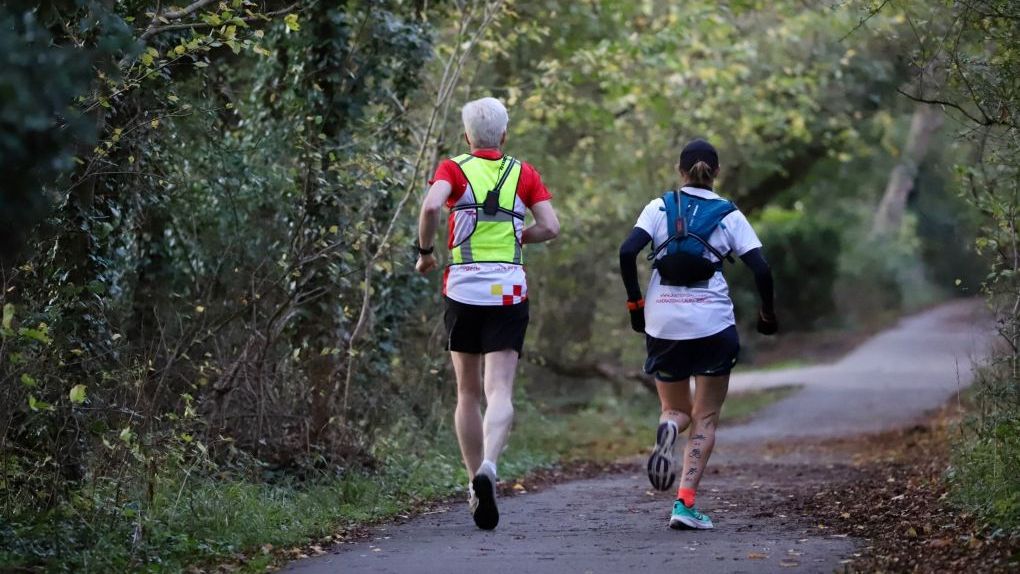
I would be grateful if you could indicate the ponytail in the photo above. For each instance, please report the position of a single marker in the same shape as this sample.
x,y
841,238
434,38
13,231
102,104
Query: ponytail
x,y
700,174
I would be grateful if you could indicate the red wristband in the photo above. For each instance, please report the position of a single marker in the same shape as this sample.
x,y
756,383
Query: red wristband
x,y
635,305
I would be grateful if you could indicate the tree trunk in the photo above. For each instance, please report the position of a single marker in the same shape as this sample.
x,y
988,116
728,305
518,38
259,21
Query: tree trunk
x,y
925,124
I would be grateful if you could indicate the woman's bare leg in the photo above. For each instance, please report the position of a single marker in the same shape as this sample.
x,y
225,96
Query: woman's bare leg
x,y
675,399
674,418
709,394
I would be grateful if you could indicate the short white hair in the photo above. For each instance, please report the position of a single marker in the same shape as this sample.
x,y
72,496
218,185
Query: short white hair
x,y
485,122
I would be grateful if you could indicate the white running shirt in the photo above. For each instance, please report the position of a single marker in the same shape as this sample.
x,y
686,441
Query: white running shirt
x,y
681,313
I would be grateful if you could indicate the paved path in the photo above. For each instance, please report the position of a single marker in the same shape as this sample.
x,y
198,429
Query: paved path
x,y
616,524
888,382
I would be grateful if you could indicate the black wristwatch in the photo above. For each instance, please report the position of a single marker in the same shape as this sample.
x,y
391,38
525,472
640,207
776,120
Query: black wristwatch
x,y
425,251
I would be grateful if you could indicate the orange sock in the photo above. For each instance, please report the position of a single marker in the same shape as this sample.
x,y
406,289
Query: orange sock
x,y
686,495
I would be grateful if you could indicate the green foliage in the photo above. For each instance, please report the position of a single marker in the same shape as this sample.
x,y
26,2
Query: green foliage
x,y
40,128
986,472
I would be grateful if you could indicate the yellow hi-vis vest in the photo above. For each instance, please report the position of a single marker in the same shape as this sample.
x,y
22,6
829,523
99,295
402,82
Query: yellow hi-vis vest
x,y
488,231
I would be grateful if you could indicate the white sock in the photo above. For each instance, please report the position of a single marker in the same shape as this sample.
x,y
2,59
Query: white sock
x,y
490,465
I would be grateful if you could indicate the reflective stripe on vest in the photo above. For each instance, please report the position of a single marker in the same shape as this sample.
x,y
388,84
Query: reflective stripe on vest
x,y
480,237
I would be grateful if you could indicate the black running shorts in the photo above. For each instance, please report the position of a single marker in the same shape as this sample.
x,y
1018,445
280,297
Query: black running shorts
x,y
480,329
672,361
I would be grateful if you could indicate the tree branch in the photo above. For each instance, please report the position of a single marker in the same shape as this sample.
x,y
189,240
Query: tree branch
x,y
200,25
955,106
173,15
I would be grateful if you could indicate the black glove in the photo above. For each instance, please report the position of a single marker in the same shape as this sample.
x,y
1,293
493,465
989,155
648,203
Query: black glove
x,y
637,315
637,320
767,324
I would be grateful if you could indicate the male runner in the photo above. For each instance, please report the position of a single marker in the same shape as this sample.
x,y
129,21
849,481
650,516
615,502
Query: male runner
x,y
487,193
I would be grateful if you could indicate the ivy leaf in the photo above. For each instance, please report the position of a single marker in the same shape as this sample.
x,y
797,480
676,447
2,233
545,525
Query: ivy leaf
x,y
77,394
37,405
27,380
40,334
8,316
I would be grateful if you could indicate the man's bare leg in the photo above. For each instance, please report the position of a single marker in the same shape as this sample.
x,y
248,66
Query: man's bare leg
x,y
499,416
468,416
500,368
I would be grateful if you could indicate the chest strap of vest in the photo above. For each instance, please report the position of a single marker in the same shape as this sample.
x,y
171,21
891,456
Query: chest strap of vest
x,y
491,205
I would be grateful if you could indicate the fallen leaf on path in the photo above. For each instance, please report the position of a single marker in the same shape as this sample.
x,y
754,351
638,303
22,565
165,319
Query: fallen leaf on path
x,y
757,556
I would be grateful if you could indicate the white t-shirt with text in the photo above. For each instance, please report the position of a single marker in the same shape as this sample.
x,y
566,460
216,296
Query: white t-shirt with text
x,y
682,313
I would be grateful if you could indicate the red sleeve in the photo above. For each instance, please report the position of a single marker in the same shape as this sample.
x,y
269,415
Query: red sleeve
x,y
451,173
531,189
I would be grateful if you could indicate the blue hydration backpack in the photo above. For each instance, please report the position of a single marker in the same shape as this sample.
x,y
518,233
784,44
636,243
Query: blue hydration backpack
x,y
690,222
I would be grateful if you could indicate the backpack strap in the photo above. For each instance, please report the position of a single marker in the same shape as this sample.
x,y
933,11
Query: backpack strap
x,y
677,225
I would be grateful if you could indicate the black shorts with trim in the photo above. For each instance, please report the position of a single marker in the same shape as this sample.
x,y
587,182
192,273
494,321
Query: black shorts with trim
x,y
481,329
672,361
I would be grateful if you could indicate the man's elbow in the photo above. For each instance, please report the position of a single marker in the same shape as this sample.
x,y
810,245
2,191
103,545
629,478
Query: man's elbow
x,y
553,229
430,209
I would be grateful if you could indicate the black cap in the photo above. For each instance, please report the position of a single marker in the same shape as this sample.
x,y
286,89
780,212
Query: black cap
x,y
698,150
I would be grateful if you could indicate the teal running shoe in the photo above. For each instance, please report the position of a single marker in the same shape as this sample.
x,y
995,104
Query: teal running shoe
x,y
685,517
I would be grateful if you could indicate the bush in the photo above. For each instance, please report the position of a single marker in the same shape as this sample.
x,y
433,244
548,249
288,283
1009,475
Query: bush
x,y
804,255
986,462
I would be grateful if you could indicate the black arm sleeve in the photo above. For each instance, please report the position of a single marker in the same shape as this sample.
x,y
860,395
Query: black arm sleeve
x,y
629,251
762,277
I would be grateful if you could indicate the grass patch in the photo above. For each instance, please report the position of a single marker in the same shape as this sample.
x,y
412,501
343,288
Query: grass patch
x,y
740,407
219,518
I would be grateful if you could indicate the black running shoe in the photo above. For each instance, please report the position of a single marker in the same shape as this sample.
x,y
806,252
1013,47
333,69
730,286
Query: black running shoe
x,y
485,513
